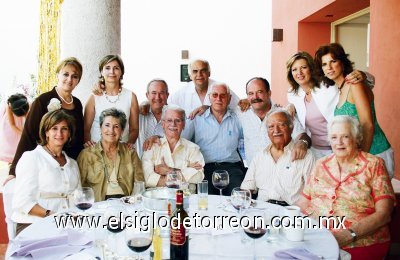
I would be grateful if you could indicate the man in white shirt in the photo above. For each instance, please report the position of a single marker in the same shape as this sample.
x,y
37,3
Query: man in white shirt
x,y
254,122
279,180
150,124
195,94
173,153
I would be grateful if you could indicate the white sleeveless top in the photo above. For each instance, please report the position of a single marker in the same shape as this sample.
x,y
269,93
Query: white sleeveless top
x,y
101,103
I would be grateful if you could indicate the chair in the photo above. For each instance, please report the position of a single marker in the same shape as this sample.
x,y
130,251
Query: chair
x,y
8,193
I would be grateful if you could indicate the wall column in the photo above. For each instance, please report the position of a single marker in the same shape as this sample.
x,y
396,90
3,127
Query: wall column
x,y
90,30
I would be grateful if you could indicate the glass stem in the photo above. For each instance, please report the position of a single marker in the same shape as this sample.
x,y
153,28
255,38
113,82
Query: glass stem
x,y
220,197
254,249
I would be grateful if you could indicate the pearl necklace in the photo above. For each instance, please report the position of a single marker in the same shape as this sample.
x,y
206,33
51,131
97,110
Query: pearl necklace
x,y
68,103
113,101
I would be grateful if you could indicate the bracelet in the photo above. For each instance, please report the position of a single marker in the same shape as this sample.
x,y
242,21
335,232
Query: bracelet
x,y
47,213
353,234
304,141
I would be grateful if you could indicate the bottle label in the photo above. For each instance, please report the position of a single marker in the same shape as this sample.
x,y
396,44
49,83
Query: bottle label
x,y
178,236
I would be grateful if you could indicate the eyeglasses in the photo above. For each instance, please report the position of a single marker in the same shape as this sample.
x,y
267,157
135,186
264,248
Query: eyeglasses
x,y
173,121
216,95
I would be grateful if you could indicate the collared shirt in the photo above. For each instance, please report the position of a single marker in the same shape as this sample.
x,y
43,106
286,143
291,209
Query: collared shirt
x,y
185,154
148,127
39,173
187,98
353,195
282,180
256,134
218,142
91,166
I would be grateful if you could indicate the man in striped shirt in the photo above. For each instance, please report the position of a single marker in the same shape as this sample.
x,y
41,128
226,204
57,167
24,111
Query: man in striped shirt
x,y
277,178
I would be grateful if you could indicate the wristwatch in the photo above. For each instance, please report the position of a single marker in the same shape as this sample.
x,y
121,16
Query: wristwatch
x,y
353,234
304,141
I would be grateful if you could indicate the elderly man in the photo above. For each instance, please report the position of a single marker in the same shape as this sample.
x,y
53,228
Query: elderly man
x,y
150,124
173,152
253,122
279,180
194,94
217,132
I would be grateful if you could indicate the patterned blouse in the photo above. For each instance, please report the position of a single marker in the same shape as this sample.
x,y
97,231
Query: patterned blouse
x,y
353,195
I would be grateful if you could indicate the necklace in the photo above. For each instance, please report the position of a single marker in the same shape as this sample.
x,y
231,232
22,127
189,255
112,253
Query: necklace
x,y
68,103
113,101
51,152
341,86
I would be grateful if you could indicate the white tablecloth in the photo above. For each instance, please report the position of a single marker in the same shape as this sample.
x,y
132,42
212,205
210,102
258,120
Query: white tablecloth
x,y
203,244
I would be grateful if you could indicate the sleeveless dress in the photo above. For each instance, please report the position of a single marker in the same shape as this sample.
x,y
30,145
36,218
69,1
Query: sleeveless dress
x,y
380,145
102,103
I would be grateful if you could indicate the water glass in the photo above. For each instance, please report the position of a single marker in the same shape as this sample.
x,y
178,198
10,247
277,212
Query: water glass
x,y
202,194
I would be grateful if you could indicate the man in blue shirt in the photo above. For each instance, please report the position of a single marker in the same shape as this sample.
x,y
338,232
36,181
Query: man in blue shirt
x,y
218,132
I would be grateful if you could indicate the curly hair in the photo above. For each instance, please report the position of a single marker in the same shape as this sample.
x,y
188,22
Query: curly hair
x,y
338,53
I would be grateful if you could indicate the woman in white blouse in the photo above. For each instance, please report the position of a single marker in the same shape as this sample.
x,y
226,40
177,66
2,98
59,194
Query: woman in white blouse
x,y
46,175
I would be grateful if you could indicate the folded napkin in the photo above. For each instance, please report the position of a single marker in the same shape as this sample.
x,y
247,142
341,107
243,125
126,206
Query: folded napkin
x,y
56,247
296,253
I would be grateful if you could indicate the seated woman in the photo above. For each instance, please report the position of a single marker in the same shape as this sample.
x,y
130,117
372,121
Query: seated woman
x,y
110,167
46,175
354,185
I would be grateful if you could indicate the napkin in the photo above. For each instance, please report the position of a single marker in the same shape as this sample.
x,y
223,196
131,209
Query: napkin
x,y
56,247
295,253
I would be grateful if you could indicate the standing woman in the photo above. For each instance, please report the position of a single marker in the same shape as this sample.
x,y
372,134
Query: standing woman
x,y
112,70
69,73
46,175
356,100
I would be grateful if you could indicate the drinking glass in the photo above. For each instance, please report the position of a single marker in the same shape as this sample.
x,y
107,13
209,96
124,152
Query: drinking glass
x,y
139,238
202,194
220,180
174,179
83,198
254,226
240,199
114,215
138,190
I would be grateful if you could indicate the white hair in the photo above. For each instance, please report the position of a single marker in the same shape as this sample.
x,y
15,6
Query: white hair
x,y
354,127
173,108
279,110
228,90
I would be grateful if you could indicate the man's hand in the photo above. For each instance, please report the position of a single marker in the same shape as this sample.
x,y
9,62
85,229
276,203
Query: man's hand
x,y
155,139
89,144
144,108
355,77
195,165
9,178
163,169
244,105
299,151
198,111
98,89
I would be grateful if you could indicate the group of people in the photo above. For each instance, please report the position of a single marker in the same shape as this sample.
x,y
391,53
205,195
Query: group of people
x,y
197,130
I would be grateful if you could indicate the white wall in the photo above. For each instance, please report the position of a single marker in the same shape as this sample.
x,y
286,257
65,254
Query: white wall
x,y
233,35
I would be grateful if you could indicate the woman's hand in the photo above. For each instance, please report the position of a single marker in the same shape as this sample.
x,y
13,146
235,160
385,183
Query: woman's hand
x,y
144,108
355,77
343,236
291,110
98,89
89,144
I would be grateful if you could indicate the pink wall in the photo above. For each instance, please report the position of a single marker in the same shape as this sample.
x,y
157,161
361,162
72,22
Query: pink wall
x,y
320,35
384,65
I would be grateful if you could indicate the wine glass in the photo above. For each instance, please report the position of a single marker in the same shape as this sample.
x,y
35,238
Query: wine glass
x,y
220,180
83,198
114,215
240,199
139,238
138,190
174,179
254,226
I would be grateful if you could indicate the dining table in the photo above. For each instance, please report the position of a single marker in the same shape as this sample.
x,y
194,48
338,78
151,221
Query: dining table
x,y
204,243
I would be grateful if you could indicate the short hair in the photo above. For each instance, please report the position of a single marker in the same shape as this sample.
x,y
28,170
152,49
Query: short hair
x,y
301,55
173,108
354,126
157,80
116,113
338,53
109,58
283,111
263,80
199,60
228,90
19,104
72,61
52,118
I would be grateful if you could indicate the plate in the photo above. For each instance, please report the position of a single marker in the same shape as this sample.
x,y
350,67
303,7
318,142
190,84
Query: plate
x,y
129,200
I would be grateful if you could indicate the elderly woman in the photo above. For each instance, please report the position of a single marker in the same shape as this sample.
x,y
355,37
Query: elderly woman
x,y
69,73
46,175
112,70
355,99
356,186
110,167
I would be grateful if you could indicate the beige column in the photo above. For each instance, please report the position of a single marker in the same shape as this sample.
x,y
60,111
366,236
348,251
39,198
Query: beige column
x,y
90,29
